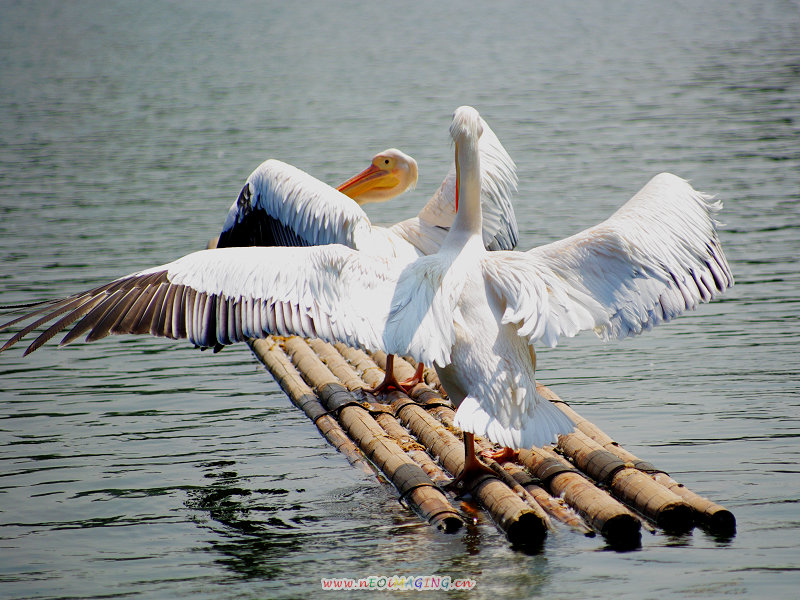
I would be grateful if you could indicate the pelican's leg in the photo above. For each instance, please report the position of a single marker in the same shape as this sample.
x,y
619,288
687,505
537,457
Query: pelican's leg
x,y
390,382
473,468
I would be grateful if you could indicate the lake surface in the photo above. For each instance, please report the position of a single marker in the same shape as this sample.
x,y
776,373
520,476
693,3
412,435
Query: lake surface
x,y
137,467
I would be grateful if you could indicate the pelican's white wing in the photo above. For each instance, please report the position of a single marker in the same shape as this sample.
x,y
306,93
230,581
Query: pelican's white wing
x,y
281,205
498,183
656,257
219,297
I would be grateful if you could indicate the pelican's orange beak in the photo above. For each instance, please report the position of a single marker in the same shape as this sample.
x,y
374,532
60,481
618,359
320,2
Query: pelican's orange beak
x,y
458,177
371,178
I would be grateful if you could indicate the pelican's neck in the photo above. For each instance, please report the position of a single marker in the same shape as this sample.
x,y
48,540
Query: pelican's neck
x,y
469,220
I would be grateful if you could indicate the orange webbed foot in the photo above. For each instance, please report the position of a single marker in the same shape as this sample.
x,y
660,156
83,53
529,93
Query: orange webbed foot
x,y
473,468
502,455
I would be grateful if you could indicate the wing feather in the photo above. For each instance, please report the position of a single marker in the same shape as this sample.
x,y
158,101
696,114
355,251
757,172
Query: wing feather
x,y
187,314
136,309
656,257
150,319
94,316
178,316
56,310
162,318
115,312
59,325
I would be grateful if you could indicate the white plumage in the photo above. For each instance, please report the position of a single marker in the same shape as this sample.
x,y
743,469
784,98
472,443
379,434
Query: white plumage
x,y
474,314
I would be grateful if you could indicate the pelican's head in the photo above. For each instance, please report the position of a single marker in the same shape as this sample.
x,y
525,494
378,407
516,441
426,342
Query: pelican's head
x,y
391,173
466,125
465,130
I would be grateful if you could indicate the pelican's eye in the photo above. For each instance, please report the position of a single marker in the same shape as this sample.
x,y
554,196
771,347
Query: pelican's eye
x,y
385,163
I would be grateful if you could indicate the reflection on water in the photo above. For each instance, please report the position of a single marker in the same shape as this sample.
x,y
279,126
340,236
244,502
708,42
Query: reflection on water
x,y
252,536
142,467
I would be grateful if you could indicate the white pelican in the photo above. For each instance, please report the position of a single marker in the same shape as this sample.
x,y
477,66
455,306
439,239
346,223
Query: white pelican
x,y
473,314
281,205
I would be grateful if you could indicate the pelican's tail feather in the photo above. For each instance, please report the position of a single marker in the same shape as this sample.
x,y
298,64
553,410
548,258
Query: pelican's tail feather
x,y
540,428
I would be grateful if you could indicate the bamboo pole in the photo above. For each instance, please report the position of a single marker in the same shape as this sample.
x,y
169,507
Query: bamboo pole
x,y
552,506
334,360
274,358
616,524
714,516
632,486
523,523
415,487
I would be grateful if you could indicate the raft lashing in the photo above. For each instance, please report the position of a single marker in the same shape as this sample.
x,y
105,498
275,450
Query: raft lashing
x,y
588,482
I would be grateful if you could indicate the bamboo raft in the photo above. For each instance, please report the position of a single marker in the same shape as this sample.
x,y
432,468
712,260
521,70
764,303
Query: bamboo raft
x,y
588,481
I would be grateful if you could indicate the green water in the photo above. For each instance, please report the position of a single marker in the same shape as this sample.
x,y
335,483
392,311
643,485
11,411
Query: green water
x,y
142,468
